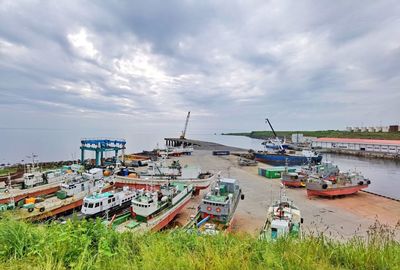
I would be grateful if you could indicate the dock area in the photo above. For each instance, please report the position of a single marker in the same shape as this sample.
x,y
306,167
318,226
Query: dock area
x,y
339,218
200,145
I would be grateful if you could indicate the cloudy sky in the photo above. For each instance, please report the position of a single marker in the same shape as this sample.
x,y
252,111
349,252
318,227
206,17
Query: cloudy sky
x,y
144,64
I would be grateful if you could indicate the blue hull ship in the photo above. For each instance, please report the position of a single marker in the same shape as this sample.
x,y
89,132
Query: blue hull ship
x,y
285,159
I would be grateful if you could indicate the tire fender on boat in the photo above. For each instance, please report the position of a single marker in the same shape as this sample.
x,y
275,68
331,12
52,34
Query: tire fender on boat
x,y
324,186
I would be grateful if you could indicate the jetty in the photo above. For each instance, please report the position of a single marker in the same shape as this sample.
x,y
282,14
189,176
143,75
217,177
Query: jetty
x,y
199,145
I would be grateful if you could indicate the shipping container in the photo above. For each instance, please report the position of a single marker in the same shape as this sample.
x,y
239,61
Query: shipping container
x,y
273,174
262,172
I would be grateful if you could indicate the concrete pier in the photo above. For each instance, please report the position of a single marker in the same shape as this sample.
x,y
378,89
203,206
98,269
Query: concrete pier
x,y
176,142
199,145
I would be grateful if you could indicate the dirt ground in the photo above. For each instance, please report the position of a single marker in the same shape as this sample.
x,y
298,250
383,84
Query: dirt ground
x,y
339,218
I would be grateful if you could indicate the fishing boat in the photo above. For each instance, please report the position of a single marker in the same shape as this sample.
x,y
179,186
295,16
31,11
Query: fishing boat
x,y
275,143
159,169
325,169
293,158
217,208
67,199
331,186
107,203
158,174
179,151
299,179
155,209
34,184
34,177
79,184
283,218
246,162
279,156
293,179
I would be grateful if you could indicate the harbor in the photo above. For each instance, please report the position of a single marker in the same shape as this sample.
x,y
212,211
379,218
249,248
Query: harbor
x,y
199,135
340,218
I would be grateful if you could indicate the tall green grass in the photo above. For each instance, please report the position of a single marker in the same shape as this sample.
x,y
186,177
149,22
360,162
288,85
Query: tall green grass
x,y
89,245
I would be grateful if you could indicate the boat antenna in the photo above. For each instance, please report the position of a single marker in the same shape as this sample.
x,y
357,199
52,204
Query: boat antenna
x,y
24,165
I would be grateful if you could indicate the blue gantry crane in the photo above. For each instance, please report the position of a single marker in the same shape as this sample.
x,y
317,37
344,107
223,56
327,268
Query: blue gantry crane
x,y
102,145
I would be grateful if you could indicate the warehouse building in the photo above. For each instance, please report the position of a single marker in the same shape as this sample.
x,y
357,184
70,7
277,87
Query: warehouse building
x,y
380,146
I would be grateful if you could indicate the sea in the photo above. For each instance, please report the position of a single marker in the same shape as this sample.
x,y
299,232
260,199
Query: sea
x,y
18,145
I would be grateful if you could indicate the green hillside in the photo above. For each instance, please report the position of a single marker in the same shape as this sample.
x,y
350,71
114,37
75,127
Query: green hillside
x,y
90,245
322,134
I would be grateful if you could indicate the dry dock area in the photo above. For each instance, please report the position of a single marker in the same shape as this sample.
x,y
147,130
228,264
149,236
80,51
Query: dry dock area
x,y
339,218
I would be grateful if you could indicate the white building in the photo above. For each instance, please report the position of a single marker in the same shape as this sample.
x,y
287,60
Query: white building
x,y
297,138
381,146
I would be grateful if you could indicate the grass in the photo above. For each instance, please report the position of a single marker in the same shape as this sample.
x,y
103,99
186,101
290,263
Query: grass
x,y
322,134
14,169
89,245
6,171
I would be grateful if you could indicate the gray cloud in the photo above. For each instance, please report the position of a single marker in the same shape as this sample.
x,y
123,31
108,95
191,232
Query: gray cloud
x,y
305,64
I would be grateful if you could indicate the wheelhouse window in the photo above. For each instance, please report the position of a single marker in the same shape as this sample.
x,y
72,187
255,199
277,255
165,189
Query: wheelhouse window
x,y
90,205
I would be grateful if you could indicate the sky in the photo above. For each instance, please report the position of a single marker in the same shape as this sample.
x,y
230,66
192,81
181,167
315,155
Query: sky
x,y
141,65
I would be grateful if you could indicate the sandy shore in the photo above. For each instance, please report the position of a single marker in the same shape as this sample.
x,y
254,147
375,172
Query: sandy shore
x,y
338,218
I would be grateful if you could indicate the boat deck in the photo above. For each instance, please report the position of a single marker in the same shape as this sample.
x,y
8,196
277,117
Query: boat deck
x,y
51,207
18,194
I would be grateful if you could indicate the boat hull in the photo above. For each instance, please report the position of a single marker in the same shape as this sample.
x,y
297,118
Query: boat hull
x,y
139,183
31,192
159,221
332,192
170,216
282,160
51,209
296,184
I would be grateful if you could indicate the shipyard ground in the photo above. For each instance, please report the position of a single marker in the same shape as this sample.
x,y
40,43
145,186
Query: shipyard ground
x,y
340,218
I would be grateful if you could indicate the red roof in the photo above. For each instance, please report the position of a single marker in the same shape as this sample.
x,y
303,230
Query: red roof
x,y
360,141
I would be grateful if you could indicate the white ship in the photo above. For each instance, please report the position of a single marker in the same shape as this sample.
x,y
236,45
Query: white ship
x,y
98,204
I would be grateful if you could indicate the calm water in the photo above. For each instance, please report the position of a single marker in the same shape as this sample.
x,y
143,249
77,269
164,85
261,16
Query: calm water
x,y
53,145
384,174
